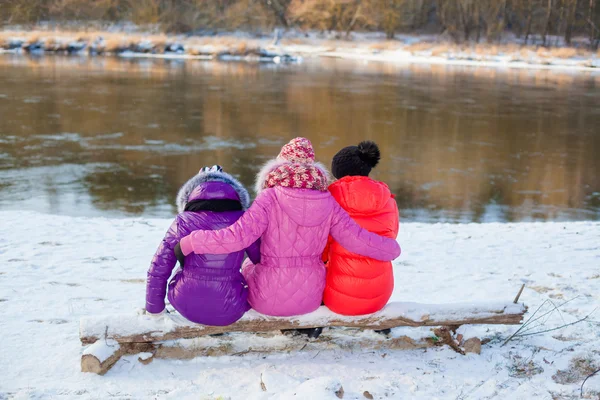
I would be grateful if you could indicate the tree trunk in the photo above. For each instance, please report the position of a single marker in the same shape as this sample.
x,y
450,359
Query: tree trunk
x,y
593,28
146,329
350,26
464,19
571,11
279,10
548,22
528,29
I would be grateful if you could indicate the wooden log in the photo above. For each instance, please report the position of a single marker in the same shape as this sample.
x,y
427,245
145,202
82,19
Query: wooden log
x,y
128,328
100,356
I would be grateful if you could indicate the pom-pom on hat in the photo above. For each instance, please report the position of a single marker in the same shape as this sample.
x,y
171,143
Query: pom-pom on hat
x,y
355,160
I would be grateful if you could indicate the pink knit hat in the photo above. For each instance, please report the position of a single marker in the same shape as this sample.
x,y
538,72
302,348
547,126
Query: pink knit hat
x,y
298,150
298,169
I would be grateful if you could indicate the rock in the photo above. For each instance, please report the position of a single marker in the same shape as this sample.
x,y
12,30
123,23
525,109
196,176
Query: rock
x,y
340,393
36,47
368,395
473,345
14,44
76,47
174,48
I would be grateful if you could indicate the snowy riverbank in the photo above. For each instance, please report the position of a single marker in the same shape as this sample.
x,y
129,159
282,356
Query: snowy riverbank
x,y
294,46
56,269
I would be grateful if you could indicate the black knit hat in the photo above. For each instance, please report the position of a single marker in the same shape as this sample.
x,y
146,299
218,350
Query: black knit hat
x,y
355,160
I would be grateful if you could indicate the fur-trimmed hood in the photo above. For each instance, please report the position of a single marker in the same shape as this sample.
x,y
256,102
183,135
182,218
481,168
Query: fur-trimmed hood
x,y
211,176
261,177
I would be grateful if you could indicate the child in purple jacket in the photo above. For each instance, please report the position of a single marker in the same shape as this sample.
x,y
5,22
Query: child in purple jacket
x,y
209,288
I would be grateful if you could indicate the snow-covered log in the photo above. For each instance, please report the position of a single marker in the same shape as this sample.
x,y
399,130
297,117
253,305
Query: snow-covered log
x,y
100,356
131,328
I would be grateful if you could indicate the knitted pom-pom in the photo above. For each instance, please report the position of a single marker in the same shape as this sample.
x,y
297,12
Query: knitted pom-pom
x,y
369,153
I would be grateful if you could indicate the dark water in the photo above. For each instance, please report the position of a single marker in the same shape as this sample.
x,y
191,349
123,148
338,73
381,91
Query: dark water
x,y
112,137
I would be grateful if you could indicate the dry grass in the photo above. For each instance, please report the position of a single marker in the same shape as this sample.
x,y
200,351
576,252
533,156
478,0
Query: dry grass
x,y
491,50
386,45
486,50
540,289
443,49
521,367
564,53
117,41
419,46
133,280
578,369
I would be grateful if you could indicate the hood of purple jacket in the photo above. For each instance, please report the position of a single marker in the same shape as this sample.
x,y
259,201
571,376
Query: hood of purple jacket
x,y
212,185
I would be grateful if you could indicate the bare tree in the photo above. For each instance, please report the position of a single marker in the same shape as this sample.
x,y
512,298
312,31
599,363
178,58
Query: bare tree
x,y
548,21
571,10
279,9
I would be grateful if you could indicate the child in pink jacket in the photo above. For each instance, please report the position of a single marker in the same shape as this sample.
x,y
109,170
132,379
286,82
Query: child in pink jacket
x,y
293,214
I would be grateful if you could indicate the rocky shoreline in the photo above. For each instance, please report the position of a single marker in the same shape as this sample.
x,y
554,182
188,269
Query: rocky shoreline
x,y
158,48
367,47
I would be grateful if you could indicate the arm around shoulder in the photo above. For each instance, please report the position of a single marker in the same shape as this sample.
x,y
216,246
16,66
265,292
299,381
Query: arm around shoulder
x,y
236,237
360,241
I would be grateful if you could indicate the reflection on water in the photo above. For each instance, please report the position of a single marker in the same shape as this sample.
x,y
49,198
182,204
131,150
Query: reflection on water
x,y
106,136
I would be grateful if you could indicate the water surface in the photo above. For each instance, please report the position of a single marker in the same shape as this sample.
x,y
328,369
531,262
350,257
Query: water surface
x,y
113,137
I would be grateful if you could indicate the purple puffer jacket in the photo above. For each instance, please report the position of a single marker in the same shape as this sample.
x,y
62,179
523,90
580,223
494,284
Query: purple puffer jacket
x,y
294,225
209,289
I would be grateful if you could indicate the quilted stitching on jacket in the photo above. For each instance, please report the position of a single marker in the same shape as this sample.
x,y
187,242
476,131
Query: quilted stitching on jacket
x,y
356,284
290,278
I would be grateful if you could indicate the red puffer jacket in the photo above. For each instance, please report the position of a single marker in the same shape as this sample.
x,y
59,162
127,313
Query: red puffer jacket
x,y
358,285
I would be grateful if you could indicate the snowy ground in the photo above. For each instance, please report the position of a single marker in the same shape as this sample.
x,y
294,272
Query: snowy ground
x,y
56,269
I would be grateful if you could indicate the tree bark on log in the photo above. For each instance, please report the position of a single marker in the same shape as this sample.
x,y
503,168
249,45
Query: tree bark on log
x,y
127,328
100,357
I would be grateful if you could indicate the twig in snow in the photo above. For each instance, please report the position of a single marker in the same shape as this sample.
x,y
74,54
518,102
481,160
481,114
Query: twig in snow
x,y
552,310
106,337
262,384
559,327
556,308
585,380
559,312
524,324
526,327
241,353
519,294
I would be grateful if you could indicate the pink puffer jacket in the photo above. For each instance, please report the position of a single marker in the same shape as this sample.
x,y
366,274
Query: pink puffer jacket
x,y
294,225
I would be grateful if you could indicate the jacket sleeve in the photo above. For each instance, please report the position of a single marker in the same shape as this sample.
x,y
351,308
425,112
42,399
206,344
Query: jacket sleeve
x,y
236,237
160,270
253,252
360,241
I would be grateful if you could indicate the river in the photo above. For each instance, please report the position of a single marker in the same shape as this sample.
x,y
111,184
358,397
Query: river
x,y
115,137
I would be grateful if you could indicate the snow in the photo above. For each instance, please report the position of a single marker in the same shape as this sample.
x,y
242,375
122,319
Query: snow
x,y
55,270
169,56
465,59
145,356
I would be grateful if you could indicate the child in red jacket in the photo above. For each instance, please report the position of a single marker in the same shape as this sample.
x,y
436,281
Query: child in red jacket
x,y
358,285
